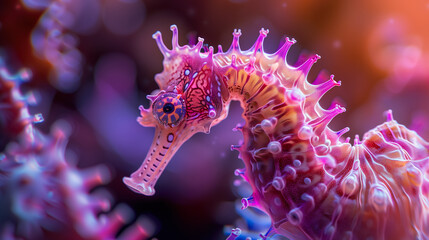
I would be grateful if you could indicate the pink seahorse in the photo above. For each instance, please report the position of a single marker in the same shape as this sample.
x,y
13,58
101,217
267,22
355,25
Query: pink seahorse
x,y
312,183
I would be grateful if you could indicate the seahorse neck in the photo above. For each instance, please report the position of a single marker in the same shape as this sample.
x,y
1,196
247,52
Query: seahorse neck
x,y
278,162
270,120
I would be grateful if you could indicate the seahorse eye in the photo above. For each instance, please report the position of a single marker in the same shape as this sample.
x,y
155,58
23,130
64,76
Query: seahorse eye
x,y
169,109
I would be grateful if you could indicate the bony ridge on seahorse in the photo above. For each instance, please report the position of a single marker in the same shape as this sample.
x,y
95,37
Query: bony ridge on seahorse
x,y
306,177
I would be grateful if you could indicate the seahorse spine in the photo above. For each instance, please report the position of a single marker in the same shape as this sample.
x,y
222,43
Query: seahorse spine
x,y
312,182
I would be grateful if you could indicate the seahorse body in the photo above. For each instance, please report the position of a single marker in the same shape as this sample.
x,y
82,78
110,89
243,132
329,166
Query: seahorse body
x,y
312,183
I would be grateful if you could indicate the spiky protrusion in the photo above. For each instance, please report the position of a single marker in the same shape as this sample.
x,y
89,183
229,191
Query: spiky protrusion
x,y
291,161
311,182
14,113
235,232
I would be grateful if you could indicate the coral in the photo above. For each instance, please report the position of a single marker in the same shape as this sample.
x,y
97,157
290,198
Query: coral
x,y
14,115
310,181
54,42
47,194
43,196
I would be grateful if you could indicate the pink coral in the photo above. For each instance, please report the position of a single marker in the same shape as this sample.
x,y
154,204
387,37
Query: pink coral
x,y
42,195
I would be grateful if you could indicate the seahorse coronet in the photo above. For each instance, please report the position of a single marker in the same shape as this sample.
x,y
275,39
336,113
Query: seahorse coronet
x,y
310,181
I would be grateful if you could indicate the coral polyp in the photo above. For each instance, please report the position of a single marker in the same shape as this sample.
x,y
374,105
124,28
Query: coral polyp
x,y
14,114
44,196
310,181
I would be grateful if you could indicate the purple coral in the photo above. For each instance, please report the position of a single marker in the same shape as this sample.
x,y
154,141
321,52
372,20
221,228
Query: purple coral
x,y
43,195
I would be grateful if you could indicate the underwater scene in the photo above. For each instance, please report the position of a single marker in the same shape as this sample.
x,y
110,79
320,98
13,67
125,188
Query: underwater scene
x,y
231,119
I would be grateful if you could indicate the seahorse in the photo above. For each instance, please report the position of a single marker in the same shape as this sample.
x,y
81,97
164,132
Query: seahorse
x,y
311,181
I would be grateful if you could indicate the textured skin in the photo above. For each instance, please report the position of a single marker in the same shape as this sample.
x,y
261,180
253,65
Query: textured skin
x,y
311,182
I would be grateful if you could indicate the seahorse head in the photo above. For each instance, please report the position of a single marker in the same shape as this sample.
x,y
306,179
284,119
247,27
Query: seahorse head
x,y
191,99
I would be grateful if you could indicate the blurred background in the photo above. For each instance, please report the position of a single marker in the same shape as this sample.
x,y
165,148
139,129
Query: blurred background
x,y
93,63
